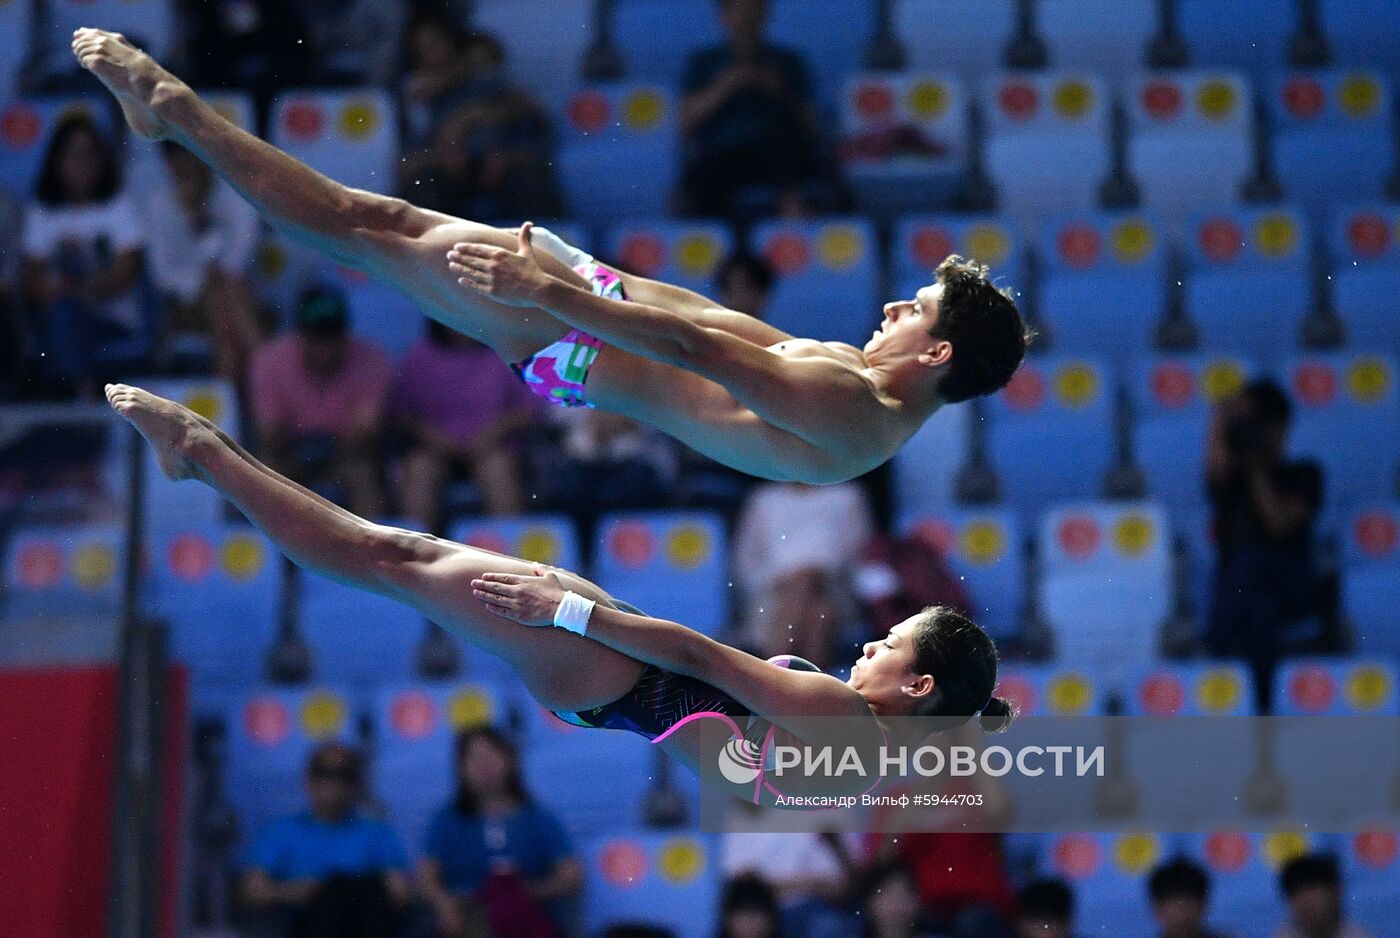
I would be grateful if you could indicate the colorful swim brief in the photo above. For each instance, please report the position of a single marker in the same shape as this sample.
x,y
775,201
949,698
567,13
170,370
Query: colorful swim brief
x,y
558,373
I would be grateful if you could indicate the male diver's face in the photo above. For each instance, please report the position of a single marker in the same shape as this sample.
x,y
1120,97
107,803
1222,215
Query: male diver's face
x,y
886,666
904,332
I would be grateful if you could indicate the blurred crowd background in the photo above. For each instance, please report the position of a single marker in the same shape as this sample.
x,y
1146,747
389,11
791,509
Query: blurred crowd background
x,y
1184,503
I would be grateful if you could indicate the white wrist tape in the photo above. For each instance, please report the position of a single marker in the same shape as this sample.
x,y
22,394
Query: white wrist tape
x,y
573,613
557,247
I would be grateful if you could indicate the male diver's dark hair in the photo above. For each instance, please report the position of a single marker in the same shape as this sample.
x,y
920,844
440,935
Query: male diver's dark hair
x,y
962,660
985,327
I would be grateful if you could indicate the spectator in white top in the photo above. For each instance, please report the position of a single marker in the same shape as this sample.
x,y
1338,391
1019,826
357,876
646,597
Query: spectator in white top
x,y
202,237
807,871
794,552
82,248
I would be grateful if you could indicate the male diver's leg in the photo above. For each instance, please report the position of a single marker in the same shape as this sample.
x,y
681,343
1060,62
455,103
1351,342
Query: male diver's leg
x,y
386,237
564,671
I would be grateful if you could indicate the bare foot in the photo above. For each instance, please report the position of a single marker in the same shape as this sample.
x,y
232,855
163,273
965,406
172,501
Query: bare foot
x,y
130,74
166,425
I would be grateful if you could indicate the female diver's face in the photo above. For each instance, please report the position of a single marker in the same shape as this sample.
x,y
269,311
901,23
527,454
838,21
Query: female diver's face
x,y
884,673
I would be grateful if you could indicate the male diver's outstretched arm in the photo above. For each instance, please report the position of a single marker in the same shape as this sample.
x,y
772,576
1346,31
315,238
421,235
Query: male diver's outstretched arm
x,y
774,693
778,389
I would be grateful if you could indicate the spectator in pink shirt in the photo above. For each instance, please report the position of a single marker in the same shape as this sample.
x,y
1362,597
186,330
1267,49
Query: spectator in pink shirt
x,y
463,414
318,400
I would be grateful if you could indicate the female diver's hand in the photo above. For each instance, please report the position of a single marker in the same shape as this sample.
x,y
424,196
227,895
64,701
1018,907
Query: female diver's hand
x,y
511,277
529,600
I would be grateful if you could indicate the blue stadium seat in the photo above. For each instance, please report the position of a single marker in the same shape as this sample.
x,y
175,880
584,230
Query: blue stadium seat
x,y
1346,409
1052,690
351,135
1243,869
1047,145
63,570
1332,140
1248,285
1108,37
357,638
219,587
670,564
16,20
1337,687
828,278
985,549
831,36
1362,33
594,780
414,730
1105,284
967,36
1371,872
658,37
667,880
1366,276
150,24
1172,397
1050,431
547,539
281,271
618,151
877,107
1249,33
543,58
1106,584
921,242
1191,144
926,467
1371,578
1108,875
686,253
379,312
1152,748
270,734
27,126
186,502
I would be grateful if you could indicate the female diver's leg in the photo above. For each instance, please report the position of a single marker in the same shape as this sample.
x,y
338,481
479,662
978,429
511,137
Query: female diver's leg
x,y
563,671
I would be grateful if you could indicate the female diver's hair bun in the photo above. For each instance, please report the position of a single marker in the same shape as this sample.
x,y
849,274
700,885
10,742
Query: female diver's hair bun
x,y
997,715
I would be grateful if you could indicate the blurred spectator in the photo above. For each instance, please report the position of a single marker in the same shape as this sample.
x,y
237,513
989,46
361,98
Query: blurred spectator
x,y
462,412
82,247
329,870
13,335
1312,887
354,42
749,909
256,45
477,146
747,121
890,903
494,856
1265,507
201,236
746,283
898,577
960,880
806,872
794,552
1045,909
605,462
318,402
1180,892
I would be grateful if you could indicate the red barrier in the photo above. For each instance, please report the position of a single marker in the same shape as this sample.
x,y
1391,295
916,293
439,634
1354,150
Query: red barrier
x,y
57,743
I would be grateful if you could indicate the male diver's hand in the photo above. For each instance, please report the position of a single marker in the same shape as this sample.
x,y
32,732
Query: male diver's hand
x,y
529,600
511,277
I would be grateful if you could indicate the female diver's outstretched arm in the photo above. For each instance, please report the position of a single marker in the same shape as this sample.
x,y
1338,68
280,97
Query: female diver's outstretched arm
x,y
774,693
